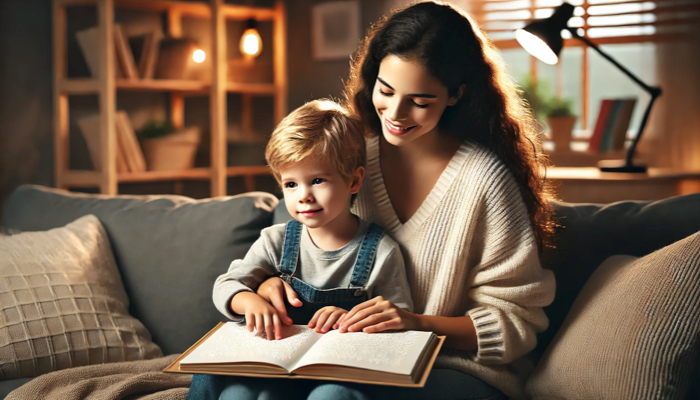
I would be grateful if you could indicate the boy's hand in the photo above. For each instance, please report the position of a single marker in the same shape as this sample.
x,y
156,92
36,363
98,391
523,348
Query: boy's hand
x,y
259,314
274,290
326,318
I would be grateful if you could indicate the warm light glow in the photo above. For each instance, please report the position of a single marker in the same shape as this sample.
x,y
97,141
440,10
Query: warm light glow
x,y
251,43
199,56
536,46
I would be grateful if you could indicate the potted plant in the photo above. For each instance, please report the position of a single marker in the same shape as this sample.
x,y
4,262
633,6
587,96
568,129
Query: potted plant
x,y
535,94
561,119
168,148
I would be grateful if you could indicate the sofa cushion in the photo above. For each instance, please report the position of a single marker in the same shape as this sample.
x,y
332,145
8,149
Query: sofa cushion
x,y
632,332
63,303
169,249
590,233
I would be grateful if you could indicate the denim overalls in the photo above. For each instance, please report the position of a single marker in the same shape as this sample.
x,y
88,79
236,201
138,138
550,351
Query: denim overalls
x,y
314,299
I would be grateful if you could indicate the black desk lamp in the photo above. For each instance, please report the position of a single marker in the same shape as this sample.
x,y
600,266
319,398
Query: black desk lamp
x,y
543,40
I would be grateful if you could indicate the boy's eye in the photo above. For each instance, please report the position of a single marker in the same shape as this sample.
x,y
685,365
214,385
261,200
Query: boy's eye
x,y
317,181
290,185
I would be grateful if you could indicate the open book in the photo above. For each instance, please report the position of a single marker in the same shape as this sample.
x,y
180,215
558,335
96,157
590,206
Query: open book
x,y
396,358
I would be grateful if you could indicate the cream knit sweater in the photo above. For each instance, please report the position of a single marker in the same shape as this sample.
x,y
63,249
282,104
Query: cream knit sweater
x,y
470,250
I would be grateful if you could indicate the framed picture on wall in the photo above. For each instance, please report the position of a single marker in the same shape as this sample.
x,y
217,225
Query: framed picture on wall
x,y
335,29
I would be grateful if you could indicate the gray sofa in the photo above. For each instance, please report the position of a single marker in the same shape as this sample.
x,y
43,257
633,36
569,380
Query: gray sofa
x,y
169,249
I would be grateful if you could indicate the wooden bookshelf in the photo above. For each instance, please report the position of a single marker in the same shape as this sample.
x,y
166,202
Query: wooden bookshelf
x,y
106,178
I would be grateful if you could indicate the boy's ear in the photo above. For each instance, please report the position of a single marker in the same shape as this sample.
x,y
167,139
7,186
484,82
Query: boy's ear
x,y
357,177
460,92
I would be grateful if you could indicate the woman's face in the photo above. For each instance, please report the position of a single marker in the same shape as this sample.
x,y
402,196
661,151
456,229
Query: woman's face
x,y
408,100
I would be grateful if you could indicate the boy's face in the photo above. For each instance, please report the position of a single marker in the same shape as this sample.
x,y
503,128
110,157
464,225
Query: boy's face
x,y
316,194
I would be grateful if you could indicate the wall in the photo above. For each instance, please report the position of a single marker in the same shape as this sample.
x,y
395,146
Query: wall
x,y
26,144
26,107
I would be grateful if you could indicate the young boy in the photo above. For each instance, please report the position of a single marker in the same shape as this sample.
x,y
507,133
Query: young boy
x,y
331,258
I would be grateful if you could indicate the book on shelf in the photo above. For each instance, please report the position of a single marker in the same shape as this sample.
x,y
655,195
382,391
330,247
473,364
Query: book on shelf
x,y
88,43
611,126
124,56
387,358
126,136
90,128
145,48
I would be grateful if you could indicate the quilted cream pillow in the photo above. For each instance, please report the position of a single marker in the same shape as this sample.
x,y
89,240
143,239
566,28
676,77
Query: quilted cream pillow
x,y
632,332
63,303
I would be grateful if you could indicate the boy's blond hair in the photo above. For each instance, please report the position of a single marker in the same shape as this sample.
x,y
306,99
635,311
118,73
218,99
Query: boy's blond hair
x,y
322,130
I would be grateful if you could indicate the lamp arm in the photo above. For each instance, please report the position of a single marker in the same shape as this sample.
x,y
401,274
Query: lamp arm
x,y
627,72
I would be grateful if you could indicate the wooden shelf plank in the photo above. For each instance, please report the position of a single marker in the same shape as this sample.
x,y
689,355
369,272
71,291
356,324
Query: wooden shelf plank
x,y
79,86
151,176
250,88
163,85
243,170
81,178
197,9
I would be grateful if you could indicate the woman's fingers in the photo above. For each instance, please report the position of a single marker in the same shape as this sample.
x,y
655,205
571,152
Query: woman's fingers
x,y
352,315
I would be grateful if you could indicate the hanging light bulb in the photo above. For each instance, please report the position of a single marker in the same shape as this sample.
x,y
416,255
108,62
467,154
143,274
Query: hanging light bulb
x,y
199,56
251,42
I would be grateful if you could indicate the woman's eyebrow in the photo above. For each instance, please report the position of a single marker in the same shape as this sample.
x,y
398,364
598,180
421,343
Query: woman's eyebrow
x,y
425,95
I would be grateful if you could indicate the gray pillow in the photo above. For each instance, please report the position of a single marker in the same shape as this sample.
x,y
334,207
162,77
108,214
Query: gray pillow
x,y
63,303
632,332
169,249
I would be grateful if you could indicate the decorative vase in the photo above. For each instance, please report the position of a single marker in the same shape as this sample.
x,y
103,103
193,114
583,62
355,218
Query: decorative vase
x,y
172,152
560,131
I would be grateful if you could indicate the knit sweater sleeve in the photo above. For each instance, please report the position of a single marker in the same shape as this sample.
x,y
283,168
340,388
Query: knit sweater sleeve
x,y
508,286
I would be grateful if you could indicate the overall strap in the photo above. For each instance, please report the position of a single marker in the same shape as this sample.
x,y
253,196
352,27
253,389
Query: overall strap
x,y
290,251
365,257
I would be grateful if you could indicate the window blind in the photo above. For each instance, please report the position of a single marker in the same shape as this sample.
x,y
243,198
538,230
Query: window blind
x,y
603,21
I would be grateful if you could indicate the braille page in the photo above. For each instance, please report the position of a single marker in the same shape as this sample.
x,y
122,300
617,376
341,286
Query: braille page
x,y
395,352
233,343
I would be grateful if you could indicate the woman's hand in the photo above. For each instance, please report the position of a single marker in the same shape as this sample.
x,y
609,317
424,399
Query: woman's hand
x,y
377,315
274,290
327,318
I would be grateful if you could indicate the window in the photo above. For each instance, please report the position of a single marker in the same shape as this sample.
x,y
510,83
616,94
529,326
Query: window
x,y
624,29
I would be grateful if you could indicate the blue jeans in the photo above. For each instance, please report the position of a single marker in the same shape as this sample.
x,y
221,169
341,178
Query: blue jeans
x,y
445,384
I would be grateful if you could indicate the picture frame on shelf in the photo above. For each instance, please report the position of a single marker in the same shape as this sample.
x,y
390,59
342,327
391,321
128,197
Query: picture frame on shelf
x,y
335,29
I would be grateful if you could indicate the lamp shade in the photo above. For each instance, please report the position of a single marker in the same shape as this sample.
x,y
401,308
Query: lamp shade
x,y
542,38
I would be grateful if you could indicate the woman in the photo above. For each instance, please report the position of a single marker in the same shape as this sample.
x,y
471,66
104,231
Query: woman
x,y
453,174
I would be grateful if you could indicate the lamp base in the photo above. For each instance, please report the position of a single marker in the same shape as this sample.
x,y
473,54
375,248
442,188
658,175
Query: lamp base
x,y
620,166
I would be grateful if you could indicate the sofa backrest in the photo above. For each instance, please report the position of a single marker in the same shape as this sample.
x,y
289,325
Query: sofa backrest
x,y
169,249
590,233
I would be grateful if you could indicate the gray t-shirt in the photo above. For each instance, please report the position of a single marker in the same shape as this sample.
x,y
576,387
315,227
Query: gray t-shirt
x,y
319,268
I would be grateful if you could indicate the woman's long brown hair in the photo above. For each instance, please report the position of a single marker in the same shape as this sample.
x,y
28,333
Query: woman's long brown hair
x,y
455,50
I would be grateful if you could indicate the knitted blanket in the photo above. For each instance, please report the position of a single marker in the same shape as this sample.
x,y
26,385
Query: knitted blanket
x,y
133,379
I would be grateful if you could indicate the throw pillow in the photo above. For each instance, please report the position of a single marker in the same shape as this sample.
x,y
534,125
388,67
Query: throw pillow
x,y
632,332
63,303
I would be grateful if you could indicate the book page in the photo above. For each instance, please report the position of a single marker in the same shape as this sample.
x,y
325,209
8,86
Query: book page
x,y
395,352
233,343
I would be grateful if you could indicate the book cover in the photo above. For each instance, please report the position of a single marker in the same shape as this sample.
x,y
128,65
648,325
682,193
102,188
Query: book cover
x,y
149,55
90,128
391,358
87,41
127,138
124,56
622,124
599,130
606,140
